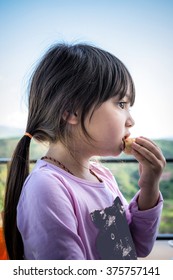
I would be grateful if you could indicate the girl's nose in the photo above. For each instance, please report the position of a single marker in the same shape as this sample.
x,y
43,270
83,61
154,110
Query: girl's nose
x,y
130,121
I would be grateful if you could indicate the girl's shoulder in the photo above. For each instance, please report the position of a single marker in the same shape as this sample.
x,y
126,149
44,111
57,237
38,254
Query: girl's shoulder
x,y
46,174
45,182
43,176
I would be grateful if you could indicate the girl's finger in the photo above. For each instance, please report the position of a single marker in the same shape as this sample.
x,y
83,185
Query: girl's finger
x,y
149,140
150,146
143,154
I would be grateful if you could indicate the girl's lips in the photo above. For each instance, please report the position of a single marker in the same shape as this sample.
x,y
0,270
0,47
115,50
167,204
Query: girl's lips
x,y
122,145
123,141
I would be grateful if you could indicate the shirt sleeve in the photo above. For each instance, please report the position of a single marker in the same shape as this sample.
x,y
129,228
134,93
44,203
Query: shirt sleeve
x,y
144,225
49,226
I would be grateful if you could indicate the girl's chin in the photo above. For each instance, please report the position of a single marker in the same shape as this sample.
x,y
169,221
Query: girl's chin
x,y
116,154
111,151
118,151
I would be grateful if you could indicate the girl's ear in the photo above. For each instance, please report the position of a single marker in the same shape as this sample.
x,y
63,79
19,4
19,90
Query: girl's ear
x,y
71,118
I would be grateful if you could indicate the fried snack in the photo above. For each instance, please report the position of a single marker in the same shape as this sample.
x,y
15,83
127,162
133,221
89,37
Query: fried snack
x,y
128,145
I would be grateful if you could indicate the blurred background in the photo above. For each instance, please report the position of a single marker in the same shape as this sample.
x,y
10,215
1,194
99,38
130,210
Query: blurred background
x,y
139,32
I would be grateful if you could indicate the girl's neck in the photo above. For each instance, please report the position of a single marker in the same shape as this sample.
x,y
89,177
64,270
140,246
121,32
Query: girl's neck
x,y
62,153
76,162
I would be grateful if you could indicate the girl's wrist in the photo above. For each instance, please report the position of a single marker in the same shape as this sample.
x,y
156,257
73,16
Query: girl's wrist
x,y
148,198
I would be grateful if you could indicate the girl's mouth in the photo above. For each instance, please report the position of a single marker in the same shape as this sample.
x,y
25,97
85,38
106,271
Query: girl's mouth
x,y
122,145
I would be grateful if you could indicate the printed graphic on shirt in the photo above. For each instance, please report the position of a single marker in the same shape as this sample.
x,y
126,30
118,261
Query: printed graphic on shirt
x,y
114,241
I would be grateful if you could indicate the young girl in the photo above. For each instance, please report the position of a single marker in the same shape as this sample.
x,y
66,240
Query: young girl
x,y
70,207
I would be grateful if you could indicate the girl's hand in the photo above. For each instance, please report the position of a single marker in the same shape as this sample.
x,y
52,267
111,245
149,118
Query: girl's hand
x,y
151,165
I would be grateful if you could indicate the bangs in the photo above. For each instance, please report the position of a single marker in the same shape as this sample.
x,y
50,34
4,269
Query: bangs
x,y
121,83
112,79
127,88
108,77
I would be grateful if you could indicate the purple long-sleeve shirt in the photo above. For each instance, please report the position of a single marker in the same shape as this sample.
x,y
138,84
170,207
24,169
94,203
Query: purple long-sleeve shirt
x,y
54,214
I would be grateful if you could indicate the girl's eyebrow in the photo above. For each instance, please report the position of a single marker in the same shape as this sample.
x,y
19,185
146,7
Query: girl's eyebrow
x,y
127,97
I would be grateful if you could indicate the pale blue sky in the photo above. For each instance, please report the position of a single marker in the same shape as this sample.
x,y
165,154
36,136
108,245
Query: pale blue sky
x,y
139,32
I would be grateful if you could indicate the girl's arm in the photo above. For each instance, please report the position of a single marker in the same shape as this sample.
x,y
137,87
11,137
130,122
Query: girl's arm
x,y
47,221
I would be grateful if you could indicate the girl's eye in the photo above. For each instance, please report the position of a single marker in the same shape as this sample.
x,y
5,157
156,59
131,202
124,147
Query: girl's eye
x,y
122,104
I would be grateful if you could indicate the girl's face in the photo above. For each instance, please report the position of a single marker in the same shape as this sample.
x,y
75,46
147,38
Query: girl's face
x,y
108,126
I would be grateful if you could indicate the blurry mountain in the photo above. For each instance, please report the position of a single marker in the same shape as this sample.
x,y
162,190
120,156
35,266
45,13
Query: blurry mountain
x,y
8,132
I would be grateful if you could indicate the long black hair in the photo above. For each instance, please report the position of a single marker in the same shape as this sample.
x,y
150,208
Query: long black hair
x,y
69,78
